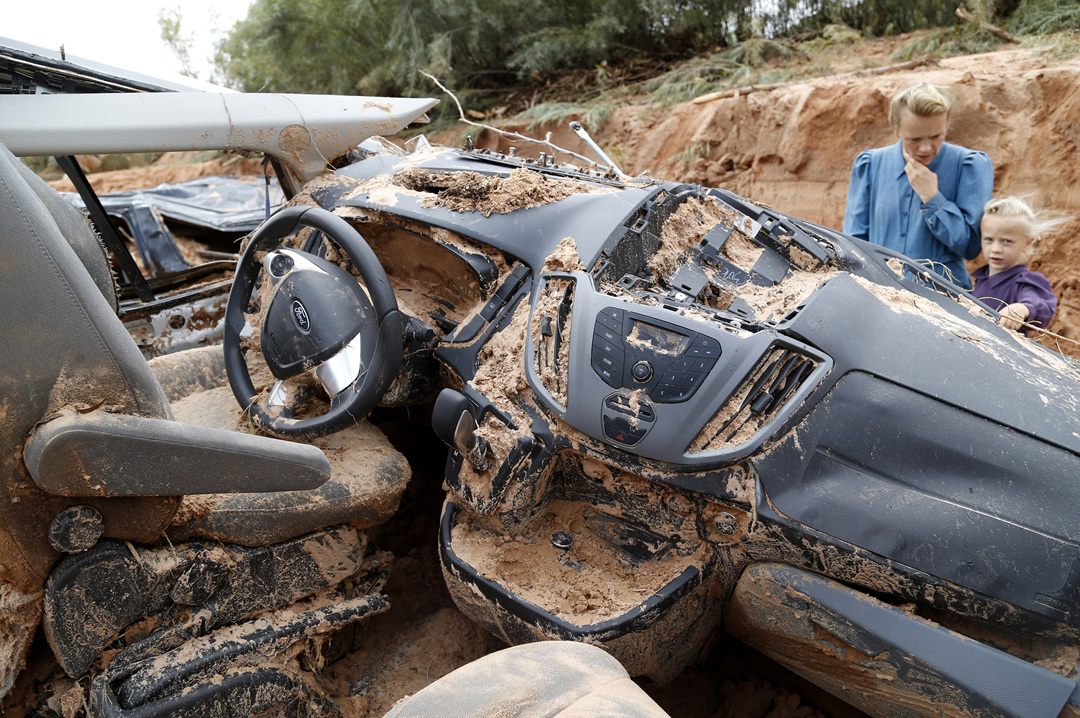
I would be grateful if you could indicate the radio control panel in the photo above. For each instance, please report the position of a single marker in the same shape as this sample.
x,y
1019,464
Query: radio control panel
x,y
634,352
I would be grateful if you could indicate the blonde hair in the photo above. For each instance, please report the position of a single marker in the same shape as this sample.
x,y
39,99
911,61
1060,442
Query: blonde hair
x,y
923,99
1035,223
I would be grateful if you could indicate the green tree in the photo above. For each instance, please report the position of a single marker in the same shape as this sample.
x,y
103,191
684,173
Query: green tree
x,y
169,21
380,47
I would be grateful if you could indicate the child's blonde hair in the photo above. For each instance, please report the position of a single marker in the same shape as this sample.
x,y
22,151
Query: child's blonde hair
x,y
923,99
1036,224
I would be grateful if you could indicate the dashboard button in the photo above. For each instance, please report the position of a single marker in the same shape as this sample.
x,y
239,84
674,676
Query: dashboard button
x,y
607,334
703,365
611,377
704,347
692,379
682,393
492,308
281,264
662,392
610,319
622,431
707,352
512,282
683,364
608,362
672,377
606,348
642,371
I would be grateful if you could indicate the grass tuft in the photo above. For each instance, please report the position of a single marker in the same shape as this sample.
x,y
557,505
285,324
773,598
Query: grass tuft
x,y
949,42
593,114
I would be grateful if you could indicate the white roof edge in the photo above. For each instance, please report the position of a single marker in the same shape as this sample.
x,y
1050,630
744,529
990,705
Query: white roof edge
x,y
71,63
304,132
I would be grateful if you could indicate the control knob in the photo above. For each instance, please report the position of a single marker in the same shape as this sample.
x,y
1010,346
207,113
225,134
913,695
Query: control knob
x,y
642,371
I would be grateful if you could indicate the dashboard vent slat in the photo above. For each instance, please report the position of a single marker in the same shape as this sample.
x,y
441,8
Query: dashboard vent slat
x,y
758,399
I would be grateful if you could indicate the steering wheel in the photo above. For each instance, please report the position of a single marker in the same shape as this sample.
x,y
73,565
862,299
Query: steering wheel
x,y
318,319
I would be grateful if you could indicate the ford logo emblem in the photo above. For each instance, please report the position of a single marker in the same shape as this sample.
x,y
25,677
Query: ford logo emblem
x,y
300,316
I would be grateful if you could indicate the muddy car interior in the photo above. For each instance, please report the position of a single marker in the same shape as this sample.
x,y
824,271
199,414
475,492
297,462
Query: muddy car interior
x,y
96,462
180,241
667,413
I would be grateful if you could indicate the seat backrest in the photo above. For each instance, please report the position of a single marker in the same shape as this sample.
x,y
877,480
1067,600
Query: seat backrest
x,y
62,347
73,227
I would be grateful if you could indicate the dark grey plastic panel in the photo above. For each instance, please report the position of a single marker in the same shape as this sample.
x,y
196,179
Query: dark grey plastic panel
x,y
529,234
675,425
938,489
965,361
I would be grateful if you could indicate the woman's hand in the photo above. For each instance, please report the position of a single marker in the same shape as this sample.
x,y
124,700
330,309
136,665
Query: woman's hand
x,y
923,180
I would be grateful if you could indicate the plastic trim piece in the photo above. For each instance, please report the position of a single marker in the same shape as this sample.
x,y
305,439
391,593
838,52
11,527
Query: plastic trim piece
x,y
100,454
634,620
987,679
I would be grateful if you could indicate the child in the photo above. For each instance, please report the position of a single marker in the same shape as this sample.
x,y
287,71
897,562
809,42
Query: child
x,y
1009,231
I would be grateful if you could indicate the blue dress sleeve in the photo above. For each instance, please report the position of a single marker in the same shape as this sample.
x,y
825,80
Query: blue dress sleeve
x,y
956,224
857,214
1033,290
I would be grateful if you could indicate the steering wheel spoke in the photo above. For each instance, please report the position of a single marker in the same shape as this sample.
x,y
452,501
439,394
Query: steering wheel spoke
x,y
342,370
287,396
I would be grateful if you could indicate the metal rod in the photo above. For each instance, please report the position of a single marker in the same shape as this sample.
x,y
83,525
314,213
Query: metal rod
x,y
105,227
576,127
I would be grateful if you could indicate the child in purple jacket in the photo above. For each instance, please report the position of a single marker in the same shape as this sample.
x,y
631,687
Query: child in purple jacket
x,y
1009,230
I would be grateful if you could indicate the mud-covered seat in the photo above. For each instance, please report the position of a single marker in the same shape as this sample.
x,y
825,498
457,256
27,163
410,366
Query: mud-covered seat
x,y
75,387
367,473
93,463
534,680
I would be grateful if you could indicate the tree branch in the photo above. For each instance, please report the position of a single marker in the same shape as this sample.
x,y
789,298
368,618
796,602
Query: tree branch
x,y
963,14
504,133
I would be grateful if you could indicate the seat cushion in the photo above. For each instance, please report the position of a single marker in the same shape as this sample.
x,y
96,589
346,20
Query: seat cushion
x,y
368,476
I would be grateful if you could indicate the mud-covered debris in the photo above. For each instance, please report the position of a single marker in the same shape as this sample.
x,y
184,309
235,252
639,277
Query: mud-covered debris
x,y
488,194
564,258
684,229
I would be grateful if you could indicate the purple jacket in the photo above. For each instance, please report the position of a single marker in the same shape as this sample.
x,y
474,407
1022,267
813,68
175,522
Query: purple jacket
x,y
1018,284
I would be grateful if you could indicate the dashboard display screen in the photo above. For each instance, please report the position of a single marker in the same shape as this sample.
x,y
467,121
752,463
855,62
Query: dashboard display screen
x,y
662,341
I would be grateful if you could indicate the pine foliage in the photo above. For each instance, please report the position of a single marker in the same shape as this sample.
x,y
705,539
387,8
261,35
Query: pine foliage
x,y
378,46
1041,17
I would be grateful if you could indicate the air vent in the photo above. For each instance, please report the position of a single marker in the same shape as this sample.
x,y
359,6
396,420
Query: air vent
x,y
551,336
760,398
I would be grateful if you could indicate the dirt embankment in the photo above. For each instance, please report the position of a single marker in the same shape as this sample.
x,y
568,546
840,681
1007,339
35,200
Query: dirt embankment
x,y
792,147
170,167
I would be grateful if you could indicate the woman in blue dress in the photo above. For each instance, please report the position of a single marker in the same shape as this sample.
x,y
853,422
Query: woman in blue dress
x,y
921,196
